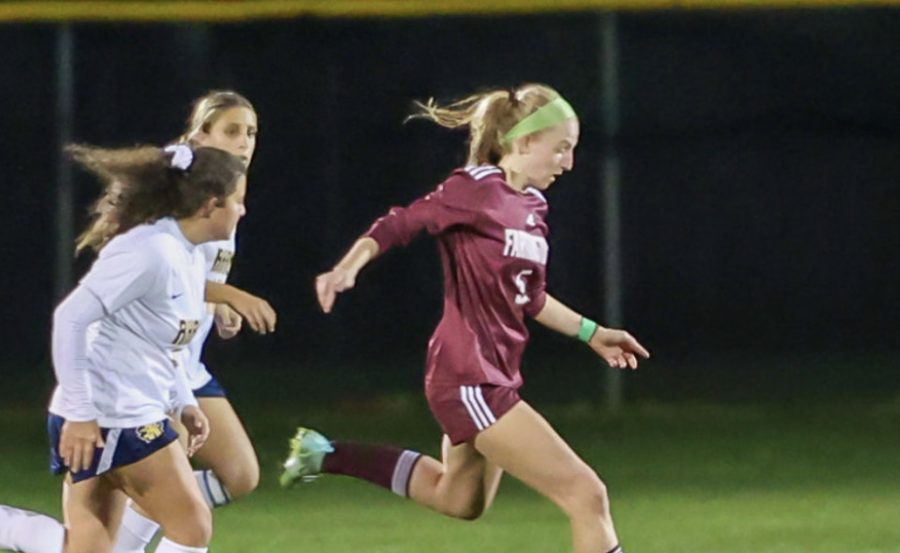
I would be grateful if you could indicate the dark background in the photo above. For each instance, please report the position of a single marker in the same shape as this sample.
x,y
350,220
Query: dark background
x,y
761,188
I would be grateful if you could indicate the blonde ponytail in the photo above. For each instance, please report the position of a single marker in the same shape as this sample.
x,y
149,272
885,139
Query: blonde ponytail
x,y
489,116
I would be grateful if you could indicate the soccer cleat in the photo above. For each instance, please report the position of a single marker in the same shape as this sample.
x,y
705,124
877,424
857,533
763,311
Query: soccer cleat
x,y
304,462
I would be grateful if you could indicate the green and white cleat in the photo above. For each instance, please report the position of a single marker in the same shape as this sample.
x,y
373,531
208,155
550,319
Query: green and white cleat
x,y
304,462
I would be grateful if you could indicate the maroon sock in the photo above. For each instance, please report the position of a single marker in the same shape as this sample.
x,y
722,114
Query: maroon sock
x,y
385,466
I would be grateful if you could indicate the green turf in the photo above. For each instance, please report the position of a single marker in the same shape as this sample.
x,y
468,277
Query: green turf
x,y
816,477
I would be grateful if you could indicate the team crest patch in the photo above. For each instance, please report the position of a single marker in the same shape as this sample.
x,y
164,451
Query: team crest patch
x,y
149,432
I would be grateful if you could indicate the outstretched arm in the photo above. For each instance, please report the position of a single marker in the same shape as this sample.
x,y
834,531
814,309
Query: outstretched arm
x,y
343,276
617,347
450,204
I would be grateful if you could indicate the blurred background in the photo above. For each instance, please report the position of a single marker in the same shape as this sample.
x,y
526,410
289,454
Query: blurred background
x,y
735,201
758,195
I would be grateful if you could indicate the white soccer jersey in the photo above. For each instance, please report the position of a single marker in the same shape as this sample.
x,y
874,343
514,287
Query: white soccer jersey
x,y
217,258
151,282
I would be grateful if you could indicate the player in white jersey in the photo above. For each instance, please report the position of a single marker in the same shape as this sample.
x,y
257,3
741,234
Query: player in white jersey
x,y
228,121
144,296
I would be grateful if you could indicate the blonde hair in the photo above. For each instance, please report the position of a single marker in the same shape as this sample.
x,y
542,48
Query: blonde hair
x,y
489,116
106,219
206,109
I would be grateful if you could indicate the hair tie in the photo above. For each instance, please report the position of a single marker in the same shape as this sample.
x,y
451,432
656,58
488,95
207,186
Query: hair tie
x,y
512,98
182,156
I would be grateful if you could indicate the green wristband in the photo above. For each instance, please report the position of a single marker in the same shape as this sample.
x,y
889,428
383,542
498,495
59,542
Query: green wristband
x,y
587,330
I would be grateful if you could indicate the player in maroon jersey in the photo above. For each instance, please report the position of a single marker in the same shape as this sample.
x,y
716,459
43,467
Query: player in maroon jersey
x,y
488,219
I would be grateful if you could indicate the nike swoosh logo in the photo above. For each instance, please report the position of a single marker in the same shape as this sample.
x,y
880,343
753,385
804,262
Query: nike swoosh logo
x,y
176,296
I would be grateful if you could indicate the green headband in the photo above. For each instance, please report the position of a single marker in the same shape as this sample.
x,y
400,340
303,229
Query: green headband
x,y
546,116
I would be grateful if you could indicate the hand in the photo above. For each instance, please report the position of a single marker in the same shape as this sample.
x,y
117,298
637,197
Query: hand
x,y
228,321
197,425
618,348
330,284
77,442
257,311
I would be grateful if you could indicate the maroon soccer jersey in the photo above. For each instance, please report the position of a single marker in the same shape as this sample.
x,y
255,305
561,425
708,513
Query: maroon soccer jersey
x,y
493,244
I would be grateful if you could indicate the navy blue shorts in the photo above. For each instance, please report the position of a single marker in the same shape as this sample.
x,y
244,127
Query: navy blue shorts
x,y
210,389
124,446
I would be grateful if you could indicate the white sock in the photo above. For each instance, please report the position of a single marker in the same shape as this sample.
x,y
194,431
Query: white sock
x,y
214,491
30,532
166,546
136,532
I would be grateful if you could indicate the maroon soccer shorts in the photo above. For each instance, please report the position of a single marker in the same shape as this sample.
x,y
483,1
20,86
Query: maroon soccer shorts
x,y
464,411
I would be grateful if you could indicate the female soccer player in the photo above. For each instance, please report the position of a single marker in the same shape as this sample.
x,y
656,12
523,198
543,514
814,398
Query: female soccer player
x,y
488,219
228,121
143,299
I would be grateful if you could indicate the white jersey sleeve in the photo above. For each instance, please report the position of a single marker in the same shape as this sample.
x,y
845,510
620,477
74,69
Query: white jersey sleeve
x,y
71,320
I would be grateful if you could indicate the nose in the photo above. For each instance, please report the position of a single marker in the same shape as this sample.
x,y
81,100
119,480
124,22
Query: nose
x,y
568,161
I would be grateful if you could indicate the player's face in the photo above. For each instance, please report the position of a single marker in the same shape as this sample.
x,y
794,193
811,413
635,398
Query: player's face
x,y
234,131
224,218
551,153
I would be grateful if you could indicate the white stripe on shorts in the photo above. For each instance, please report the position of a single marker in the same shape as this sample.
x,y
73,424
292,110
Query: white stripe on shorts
x,y
484,406
476,406
109,450
463,394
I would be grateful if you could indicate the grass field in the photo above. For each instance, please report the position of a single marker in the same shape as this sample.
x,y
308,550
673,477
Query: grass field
x,y
684,477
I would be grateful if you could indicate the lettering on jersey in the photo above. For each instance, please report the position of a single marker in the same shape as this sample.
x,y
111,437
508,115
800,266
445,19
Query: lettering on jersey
x,y
522,297
222,264
186,331
522,245
149,432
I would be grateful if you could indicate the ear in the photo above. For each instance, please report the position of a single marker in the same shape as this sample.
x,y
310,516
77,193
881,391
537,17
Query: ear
x,y
199,138
206,210
523,143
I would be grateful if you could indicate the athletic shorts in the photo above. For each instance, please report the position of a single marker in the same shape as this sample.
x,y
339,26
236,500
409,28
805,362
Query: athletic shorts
x,y
123,446
212,388
464,411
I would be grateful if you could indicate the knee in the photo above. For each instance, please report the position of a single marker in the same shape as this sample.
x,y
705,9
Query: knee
x,y
467,507
240,478
193,529
587,496
466,511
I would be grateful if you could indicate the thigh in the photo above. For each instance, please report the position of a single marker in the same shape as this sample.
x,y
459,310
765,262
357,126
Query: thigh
x,y
524,444
92,510
164,487
228,449
469,462
462,484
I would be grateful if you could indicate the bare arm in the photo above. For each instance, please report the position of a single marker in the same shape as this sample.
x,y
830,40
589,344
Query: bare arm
x,y
617,347
255,310
343,276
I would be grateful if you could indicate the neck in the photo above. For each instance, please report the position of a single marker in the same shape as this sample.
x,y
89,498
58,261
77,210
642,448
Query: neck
x,y
193,229
515,179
